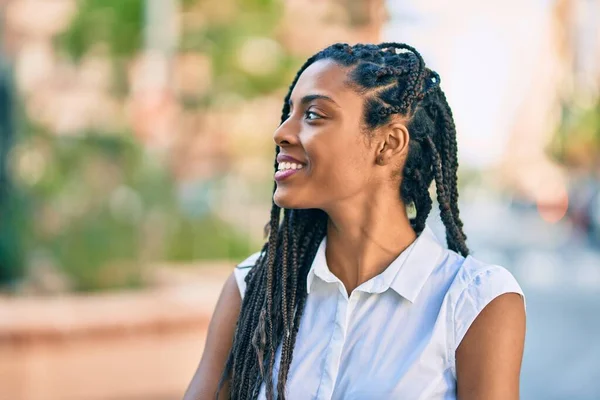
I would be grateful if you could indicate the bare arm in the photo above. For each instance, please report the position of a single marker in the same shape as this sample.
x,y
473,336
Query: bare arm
x,y
488,359
218,345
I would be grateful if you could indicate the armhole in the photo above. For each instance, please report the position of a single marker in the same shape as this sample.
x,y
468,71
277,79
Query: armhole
x,y
484,287
241,270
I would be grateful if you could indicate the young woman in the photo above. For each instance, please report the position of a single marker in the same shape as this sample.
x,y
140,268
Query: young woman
x,y
353,297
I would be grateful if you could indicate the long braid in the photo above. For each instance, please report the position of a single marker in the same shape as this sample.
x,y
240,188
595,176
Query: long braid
x,y
267,313
393,79
284,265
245,322
232,364
451,151
257,337
444,151
422,200
286,308
454,238
306,253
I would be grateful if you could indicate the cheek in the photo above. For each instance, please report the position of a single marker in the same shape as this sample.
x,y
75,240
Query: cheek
x,y
339,168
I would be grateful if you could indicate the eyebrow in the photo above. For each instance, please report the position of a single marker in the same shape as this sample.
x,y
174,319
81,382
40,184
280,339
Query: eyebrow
x,y
310,97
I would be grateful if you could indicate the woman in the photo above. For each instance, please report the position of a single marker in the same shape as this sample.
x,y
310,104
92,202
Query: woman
x,y
351,297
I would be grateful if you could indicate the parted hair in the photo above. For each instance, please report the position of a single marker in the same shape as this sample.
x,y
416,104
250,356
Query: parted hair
x,y
393,79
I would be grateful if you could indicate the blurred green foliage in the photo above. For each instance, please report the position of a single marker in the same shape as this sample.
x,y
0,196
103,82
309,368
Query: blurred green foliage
x,y
212,238
118,25
98,205
14,229
89,204
13,205
223,39
577,140
103,208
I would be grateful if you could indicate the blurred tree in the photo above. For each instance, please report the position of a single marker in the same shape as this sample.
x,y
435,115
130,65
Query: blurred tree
x,y
577,141
6,127
13,216
116,24
103,205
237,35
104,208
247,59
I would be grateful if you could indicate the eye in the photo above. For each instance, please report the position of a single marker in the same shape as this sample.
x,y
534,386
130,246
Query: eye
x,y
311,115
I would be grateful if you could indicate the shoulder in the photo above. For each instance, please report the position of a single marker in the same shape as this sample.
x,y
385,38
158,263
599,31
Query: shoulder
x,y
476,285
241,270
479,281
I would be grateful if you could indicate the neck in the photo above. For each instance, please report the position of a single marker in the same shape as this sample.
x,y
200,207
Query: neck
x,y
364,236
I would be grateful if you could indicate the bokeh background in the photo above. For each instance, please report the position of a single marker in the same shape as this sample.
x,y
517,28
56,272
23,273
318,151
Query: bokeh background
x,y
136,162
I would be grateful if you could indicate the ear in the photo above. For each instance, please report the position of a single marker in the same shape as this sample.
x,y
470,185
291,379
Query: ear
x,y
393,143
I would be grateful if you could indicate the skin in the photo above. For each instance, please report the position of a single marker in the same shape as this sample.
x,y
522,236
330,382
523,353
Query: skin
x,y
488,360
368,227
218,345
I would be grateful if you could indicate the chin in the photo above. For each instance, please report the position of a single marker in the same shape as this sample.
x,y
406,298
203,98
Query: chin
x,y
289,201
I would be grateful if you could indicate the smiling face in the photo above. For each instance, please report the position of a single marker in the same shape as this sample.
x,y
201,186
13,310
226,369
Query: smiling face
x,y
325,132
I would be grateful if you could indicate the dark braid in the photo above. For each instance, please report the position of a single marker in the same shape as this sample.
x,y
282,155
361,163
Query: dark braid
x,y
393,79
286,307
450,151
266,314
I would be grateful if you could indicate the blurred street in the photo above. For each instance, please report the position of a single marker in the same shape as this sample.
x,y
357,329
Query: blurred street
x,y
559,272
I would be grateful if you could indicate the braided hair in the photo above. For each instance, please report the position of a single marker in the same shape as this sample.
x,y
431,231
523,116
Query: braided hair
x,y
393,79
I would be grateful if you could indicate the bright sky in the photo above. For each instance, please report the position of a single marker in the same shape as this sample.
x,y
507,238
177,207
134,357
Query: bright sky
x,y
487,55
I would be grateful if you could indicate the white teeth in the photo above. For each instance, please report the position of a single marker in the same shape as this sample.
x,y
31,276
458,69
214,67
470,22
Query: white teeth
x,y
288,165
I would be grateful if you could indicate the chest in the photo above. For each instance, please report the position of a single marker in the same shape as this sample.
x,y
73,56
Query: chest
x,y
369,346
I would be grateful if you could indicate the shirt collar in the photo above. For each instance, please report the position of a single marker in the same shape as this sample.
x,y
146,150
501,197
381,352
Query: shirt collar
x,y
406,274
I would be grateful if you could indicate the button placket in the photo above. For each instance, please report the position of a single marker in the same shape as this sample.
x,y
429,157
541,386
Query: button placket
x,y
354,296
335,351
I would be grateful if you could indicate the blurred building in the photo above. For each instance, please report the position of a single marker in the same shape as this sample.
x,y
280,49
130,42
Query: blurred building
x,y
507,69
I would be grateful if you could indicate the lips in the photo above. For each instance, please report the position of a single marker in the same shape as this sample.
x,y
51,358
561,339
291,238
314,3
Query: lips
x,y
286,158
280,175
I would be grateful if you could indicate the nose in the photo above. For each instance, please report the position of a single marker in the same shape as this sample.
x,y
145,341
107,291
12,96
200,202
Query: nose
x,y
287,133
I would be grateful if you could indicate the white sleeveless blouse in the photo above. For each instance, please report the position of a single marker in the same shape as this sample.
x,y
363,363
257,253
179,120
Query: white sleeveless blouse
x,y
396,335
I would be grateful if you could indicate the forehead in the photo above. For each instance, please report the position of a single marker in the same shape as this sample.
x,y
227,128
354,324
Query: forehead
x,y
323,77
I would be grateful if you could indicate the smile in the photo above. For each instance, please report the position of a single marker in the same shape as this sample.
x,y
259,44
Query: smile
x,y
288,165
287,169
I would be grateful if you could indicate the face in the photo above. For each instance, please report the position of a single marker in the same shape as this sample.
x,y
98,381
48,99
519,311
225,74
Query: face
x,y
324,133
